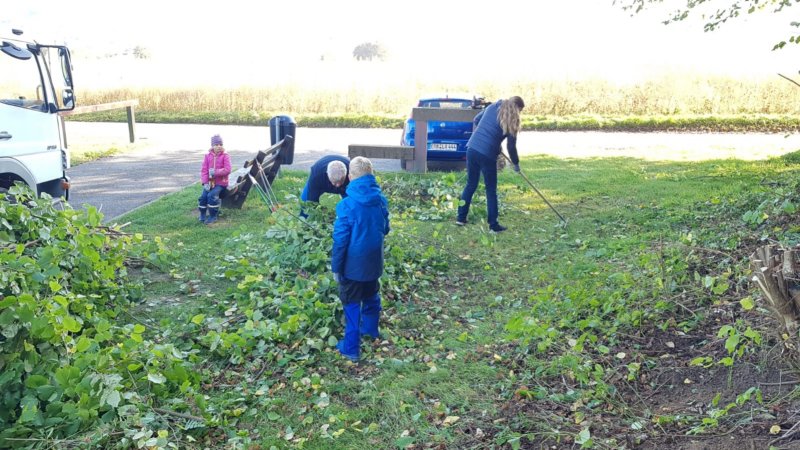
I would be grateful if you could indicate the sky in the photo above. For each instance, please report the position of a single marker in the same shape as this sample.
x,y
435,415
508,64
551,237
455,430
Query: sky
x,y
425,40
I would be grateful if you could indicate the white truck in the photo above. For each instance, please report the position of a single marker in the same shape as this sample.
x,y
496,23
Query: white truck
x,y
35,85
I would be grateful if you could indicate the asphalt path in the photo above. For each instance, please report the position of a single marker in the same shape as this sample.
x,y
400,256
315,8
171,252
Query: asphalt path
x,y
166,158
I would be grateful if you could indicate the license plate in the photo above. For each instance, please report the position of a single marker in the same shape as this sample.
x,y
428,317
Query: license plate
x,y
444,146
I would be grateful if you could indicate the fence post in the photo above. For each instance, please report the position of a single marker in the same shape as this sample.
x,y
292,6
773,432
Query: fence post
x,y
131,123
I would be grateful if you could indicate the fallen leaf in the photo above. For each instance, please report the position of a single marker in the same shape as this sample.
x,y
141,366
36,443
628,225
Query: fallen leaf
x,y
449,420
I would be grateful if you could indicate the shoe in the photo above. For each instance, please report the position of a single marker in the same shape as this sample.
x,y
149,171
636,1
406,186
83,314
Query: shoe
x,y
210,220
461,223
370,338
498,228
351,358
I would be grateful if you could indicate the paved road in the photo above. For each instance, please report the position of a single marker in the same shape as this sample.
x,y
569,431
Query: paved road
x,y
167,158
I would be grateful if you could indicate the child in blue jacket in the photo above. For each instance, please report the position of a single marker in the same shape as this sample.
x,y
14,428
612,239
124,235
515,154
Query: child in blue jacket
x,y
362,221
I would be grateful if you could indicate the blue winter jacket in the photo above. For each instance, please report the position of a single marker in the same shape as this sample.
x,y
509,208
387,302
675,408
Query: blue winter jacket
x,y
318,182
362,220
488,134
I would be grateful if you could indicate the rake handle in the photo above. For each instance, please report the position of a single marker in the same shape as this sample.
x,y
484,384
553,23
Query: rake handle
x,y
537,190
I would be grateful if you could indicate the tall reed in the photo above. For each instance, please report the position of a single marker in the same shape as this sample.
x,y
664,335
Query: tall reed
x,y
672,94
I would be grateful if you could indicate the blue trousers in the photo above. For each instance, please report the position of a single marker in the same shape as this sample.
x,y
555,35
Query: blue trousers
x,y
210,199
360,318
478,163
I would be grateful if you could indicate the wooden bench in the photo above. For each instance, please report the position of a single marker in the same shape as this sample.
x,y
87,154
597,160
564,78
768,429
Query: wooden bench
x,y
263,169
414,158
401,152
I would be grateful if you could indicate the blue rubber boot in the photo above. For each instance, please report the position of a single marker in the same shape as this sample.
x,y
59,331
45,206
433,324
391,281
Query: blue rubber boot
x,y
350,346
212,215
202,214
370,315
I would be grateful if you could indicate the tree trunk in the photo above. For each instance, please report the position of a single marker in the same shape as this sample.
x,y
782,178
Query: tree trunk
x,y
775,272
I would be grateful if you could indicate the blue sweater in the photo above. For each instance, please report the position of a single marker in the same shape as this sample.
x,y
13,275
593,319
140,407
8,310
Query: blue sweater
x,y
318,182
362,220
488,134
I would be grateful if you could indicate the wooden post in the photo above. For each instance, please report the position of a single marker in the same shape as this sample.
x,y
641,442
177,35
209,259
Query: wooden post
x,y
421,118
131,123
420,162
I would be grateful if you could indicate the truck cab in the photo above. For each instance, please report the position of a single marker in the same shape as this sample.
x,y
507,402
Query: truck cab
x,y
35,85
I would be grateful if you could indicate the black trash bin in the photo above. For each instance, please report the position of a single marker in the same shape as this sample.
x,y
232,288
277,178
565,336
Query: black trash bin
x,y
280,127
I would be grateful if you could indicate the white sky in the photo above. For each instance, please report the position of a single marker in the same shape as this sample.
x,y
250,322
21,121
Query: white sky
x,y
425,39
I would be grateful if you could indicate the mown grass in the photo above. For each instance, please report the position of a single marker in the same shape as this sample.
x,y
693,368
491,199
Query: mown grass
x,y
502,347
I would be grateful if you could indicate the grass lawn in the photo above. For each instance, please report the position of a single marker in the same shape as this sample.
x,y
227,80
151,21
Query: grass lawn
x,y
629,326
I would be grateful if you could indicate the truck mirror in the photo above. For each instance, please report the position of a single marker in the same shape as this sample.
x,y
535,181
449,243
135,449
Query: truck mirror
x,y
68,98
15,52
66,65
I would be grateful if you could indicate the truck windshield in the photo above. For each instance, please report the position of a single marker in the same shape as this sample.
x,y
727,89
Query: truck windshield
x,y
21,83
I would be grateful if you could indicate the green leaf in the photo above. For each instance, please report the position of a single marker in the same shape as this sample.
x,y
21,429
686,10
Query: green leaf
x,y
29,413
156,378
83,344
727,361
747,303
8,301
34,381
583,437
198,319
732,342
70,324
46,392
102,326
113,399
404,442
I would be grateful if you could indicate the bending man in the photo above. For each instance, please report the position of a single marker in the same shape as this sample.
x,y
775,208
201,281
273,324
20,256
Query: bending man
x,y
327,175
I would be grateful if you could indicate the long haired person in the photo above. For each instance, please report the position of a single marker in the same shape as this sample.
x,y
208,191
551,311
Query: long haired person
x,y
497,122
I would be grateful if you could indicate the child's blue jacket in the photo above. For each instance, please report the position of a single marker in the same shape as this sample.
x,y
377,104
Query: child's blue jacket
x,y
362,220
